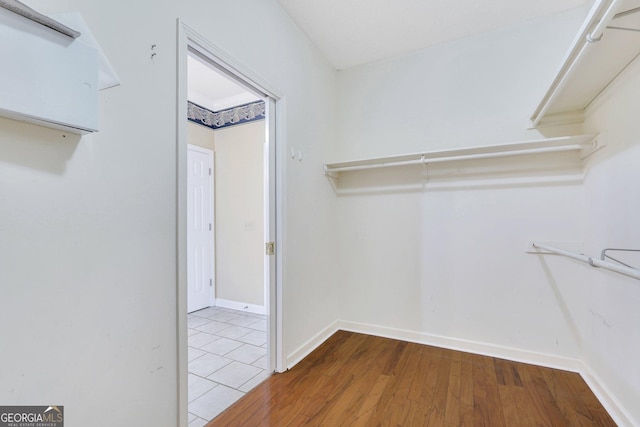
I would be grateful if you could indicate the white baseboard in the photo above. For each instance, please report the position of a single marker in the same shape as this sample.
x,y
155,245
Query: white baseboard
x,y
240,306
516,355
610,403
306,348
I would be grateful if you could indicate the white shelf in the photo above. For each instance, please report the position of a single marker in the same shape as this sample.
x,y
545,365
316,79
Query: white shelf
x,y
582,145
607,43
51,74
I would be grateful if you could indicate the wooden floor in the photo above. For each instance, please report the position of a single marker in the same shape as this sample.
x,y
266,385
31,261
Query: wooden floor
x,y
361,380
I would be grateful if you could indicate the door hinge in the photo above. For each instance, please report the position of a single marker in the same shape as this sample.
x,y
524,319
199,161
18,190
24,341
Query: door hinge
x,y
209,171
270,248
209,226
211,282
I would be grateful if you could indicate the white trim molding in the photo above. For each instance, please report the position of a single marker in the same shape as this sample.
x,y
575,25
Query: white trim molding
x,y
476,347
607,399
305,349
188,38
240,306
491,350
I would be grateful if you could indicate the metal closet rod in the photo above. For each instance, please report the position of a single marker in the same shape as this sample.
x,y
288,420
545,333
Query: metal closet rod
x,y
593,262
575,56
426,160
608,16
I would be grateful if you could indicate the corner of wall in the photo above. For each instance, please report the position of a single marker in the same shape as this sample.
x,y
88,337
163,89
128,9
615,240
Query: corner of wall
x,y
608,400
305,349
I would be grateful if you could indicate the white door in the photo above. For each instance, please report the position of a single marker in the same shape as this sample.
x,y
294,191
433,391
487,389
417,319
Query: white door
x,y
199,228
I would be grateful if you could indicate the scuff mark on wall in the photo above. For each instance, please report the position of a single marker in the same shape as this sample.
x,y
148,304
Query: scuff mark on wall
x,y
600,317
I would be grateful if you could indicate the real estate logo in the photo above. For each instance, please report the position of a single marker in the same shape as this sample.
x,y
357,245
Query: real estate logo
x,y
32,416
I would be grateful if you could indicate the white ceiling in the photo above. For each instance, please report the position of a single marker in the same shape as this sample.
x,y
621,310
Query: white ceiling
x,y
209,88
354,32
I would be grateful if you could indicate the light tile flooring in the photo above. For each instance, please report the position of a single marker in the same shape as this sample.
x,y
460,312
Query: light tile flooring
x,y
227,358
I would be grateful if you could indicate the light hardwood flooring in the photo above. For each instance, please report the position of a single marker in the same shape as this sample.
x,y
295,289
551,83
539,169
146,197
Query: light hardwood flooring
x,y
360,380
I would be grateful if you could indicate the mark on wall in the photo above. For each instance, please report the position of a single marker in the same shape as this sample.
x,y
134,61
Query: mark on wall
x,y
600,317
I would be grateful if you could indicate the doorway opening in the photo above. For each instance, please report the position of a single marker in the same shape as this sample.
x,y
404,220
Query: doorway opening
x,y
226,211
227,279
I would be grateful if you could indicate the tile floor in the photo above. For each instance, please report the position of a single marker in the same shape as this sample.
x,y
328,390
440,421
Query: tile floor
x,y
227,358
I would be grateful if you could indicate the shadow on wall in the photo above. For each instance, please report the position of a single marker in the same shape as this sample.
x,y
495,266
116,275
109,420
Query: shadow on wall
x,y
562,301
36,147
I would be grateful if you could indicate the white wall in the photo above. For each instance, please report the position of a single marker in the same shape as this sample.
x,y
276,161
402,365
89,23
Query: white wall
x,y
448,265
608,313
87,241
475,91
239,218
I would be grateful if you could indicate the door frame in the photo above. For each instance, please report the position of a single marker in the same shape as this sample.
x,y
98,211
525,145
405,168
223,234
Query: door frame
x,y
212,259
275,102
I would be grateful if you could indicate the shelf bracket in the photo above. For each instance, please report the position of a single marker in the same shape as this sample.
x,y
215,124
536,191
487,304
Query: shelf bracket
x,y
594,145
